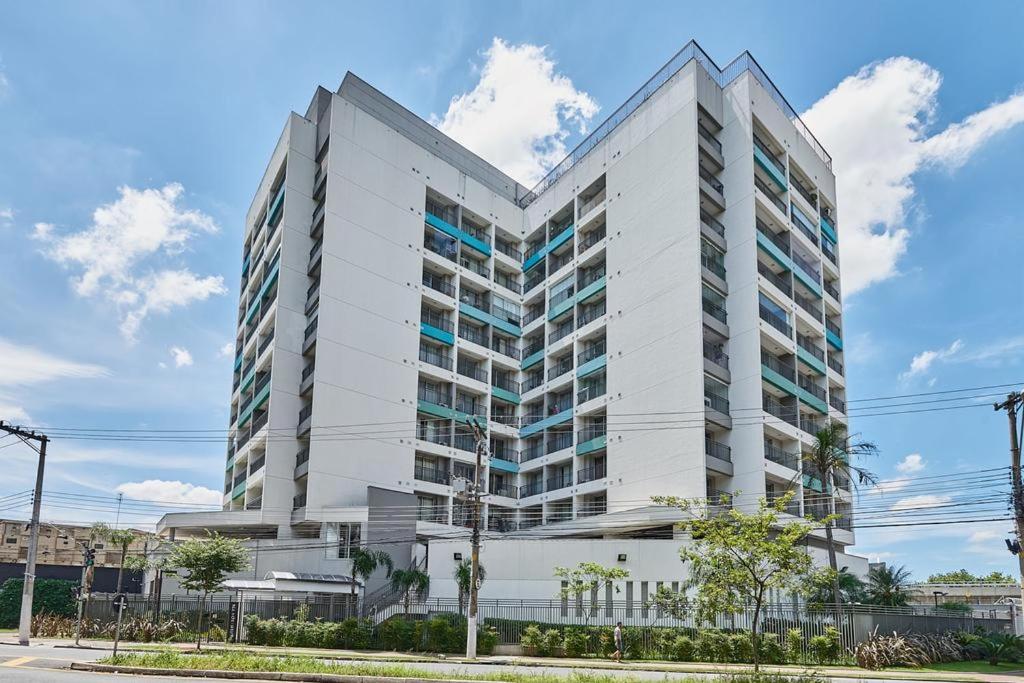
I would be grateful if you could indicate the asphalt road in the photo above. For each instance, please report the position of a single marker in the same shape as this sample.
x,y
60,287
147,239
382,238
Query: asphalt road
x,y
46,664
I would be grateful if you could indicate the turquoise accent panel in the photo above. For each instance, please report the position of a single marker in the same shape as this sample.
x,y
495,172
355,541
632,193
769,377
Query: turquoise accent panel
x,y
484,317
561,417
238,361
807,398
777,254
807,281
275,205
503,465
238,490
778,380
458,234
592,366
532,359
834,340
257,402
505,395
437,333
245,263
253,307
810,361
591,289
595,444
765,163
248,380
812,483
560,239
828,230
231,463
267,284
434,409
802,218
561,308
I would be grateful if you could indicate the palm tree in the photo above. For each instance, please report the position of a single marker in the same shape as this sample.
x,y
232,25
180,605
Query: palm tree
x,y
121,538
833,453
851,589
409,580
464,579
365,562
889,586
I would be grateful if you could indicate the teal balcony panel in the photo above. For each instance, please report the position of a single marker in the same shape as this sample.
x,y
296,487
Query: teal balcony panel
x,y
807,281
504,465
564,416
257,402
778,380
505,395
437,333
231,464
275,206
485,317
245,263
238,361
595,444
591,289
238,491
591,366
777,254
560,239
464,237
812,483
809,399
253,307
535,259
828,231
768,167
561,308
434,409
247,380
532,359
833,339
810,361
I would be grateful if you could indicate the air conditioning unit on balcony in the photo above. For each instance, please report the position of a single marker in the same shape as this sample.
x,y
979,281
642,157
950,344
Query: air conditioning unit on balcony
x,y
707,402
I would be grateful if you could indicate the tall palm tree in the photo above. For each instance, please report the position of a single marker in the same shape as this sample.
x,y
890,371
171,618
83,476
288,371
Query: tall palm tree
x,y
464,579
122,538
833,453
409,580
889,586
365,562
851,589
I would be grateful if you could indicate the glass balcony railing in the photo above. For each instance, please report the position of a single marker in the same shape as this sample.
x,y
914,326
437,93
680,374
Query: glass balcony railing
x,y
776,408
781,457
560,368
591,390
717,450
835,364
768,192
780,241
804,225
808,385
778,280
592,473
806,266
833,327
434,356
439,397
716,402
714,263
708,136
775,320
803,191
592,238
715,307
710,221
809,305
591,432
508,249
832,290
759,143
715,353
594,350
439,284
433,475
561,296
444,246
435,319
808,345
775,364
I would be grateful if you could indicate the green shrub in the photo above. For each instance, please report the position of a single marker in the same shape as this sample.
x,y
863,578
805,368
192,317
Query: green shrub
x,y
683,649
397,634
825,648
532,641
713,646
49,596
770,649
575,643
794,645
552,643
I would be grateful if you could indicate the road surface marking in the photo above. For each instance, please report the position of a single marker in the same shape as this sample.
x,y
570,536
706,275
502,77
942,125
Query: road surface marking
x,y
18,661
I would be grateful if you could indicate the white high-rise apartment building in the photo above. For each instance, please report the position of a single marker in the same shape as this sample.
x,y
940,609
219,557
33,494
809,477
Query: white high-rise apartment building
x,y
660,315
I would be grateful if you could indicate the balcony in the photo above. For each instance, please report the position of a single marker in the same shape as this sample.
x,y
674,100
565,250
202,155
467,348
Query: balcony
x,y
439,283
508,249
715,353
592,438
770,194
811,425
713,262
315,255
471,369
312,296
436,325
778,366
591,313
708,136
809,305
808,345
299,501
717,498
508,282
711,180
716,402
835,364
714,305
775,319
434,356
560,368
712,223
807,267
469,405
775,408
588,205
435,514
830,252
505,382
433,475
505,347
790,508
590,390
306,382
561,331
832,290
477,335
833,334
443,246
556,483
769,157
717,450
266,343
434,396
780,282
532,451
558,441
464,442
302,457
803,224
811,198
781,457
532,488
257,464
558,261
592,238
533,381
434,433
505,490
837,403
478,267
592,473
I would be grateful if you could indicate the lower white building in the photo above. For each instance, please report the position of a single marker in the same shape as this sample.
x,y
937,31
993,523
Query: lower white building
x,y
659,316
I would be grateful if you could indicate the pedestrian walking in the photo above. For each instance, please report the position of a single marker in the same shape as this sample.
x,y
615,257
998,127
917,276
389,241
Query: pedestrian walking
x,y
617,635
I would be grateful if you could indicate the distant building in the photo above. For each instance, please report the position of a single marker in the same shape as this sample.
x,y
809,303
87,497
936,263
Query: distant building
x,y
977,594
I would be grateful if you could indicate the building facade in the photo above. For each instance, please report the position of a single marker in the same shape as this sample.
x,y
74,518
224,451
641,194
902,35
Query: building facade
x,y
660,316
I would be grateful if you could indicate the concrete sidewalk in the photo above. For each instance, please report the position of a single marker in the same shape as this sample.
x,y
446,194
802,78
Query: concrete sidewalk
x,y
559,663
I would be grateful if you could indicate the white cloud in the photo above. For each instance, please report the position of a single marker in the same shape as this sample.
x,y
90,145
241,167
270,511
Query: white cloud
x,y
6,216
171,492
182,357
910,464
926,500
874,125
24,365
923,361
520,113
889,486
42,231
110,253
227,351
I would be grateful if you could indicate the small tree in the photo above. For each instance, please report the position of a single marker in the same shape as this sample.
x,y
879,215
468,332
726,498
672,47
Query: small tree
x,y
736,558
122,538
820,587
408,580
464,580
889,586
207,561
588,577
365,562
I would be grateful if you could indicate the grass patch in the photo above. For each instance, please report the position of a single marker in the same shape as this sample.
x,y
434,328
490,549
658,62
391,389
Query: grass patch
x,y
979,667
235,661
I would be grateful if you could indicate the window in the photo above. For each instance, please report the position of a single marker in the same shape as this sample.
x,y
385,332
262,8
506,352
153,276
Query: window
x,y
561,286
503,308
98,546
12,540
348,539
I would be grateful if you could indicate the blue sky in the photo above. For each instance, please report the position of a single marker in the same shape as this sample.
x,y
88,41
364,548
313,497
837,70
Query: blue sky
x,y
167,113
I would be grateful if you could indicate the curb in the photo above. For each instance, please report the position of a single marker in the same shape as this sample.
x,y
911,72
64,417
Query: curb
x,y
256,675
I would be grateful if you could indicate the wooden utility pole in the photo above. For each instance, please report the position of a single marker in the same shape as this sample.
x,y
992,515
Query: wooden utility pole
x,y
476,492
1010,405
25,623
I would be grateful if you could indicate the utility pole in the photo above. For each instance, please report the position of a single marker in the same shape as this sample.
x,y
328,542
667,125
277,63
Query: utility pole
x,y
1010,405
474,581
25,623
